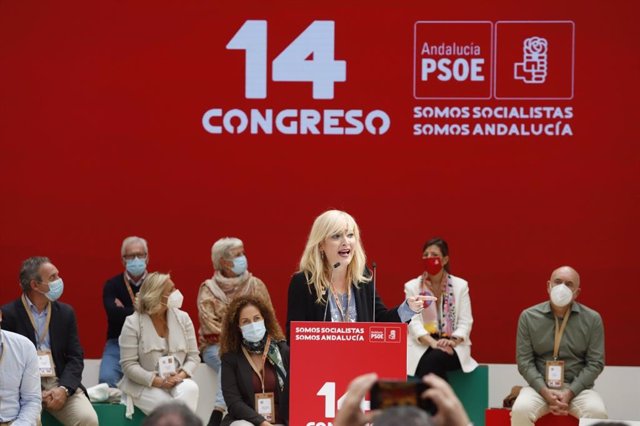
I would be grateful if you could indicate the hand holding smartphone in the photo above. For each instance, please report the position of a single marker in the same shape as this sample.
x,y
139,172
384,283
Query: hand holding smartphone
x,y
392,393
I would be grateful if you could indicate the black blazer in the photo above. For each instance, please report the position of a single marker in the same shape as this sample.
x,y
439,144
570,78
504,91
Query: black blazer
x,y
302,306
237,389
113,289
63,332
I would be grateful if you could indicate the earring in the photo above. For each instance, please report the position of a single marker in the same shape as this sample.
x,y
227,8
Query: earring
x,y
322,254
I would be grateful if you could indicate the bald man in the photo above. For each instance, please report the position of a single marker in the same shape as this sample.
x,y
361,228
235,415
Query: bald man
x,y
560,352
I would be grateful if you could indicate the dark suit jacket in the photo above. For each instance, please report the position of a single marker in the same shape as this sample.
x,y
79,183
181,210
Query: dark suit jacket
x,y
63,332
237,389
302,306
113,289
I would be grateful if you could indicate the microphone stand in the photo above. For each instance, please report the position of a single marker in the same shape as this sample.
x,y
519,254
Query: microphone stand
x,y
373,301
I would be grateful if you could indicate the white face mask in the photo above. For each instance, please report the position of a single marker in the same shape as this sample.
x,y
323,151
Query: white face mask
x,y
175,300
253,332
561,295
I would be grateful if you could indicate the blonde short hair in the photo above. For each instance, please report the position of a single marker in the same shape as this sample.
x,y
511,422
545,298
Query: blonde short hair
x,y
149,298
316,267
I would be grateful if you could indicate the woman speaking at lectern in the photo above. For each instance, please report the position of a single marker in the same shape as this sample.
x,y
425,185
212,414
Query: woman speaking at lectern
x,y
333,283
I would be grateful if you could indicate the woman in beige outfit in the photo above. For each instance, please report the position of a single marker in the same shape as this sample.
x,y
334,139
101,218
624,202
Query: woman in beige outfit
x,y
231,279
158,349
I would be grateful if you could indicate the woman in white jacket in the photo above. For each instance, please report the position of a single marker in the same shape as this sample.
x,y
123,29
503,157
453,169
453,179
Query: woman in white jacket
x,y
439,336
158,349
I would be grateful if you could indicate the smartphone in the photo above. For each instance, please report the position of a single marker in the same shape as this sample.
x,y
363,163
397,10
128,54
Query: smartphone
x,y
392,393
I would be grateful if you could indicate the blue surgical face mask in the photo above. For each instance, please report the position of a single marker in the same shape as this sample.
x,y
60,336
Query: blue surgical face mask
x,y
239,265
136,266
55,290
253,332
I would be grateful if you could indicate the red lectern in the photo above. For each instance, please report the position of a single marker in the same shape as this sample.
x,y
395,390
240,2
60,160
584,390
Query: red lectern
x,y
326,356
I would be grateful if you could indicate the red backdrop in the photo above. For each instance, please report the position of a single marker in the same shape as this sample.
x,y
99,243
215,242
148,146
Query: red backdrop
x,y
101,109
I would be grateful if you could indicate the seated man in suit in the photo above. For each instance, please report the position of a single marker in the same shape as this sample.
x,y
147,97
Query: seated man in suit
x,y
560,352
51,326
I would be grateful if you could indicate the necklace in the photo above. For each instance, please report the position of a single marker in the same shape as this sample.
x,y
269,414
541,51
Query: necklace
x,y
428,284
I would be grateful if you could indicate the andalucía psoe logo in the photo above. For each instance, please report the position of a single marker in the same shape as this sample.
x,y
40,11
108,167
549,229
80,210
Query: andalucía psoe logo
x,y
376,334
533,68
384,334
528,60
308,58
452,59
393,334
534,60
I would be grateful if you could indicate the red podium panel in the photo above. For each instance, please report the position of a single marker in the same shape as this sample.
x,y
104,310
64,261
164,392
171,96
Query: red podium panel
x,y
502,417
326,356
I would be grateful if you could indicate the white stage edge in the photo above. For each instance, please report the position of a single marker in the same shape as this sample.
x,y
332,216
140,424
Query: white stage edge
x,y
619,386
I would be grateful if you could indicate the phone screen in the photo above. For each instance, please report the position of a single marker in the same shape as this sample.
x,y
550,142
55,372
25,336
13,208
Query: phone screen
x,y
390,393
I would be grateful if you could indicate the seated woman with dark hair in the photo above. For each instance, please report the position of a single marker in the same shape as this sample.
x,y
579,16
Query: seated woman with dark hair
x,y
439,336
231,279
255,365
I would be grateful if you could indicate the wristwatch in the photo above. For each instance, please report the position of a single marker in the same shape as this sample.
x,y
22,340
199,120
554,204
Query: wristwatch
x,y
65,389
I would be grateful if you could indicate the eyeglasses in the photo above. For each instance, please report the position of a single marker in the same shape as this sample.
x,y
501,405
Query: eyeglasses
x,y
141,256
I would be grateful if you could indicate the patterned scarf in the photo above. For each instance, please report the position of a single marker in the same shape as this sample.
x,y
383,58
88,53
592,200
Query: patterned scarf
x,y
227,289
447,323
255,347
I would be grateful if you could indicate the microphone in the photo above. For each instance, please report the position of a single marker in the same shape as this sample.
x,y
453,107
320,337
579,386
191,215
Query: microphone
x,y
374,266
335,266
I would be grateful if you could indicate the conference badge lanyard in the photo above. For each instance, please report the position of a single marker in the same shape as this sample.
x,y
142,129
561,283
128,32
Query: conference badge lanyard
x,y
265,401
554,371
45,360
131,295
344,314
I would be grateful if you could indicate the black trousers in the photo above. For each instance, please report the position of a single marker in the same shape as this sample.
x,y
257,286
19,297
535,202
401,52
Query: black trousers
x,y
437,362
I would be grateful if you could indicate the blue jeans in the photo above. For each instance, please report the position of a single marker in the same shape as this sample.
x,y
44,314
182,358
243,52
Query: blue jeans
x,y
110,371
211,357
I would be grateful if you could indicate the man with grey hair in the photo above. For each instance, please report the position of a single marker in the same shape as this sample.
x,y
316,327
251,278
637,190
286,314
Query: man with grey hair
x,y
52,328
118,295
230,280
560,353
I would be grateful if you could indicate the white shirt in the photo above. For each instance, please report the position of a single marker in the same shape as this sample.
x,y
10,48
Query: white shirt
x,y
20,396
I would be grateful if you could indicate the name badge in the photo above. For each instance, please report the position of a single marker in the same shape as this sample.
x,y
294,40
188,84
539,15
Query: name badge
x,y
265,406
45,364
166,366
554,374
